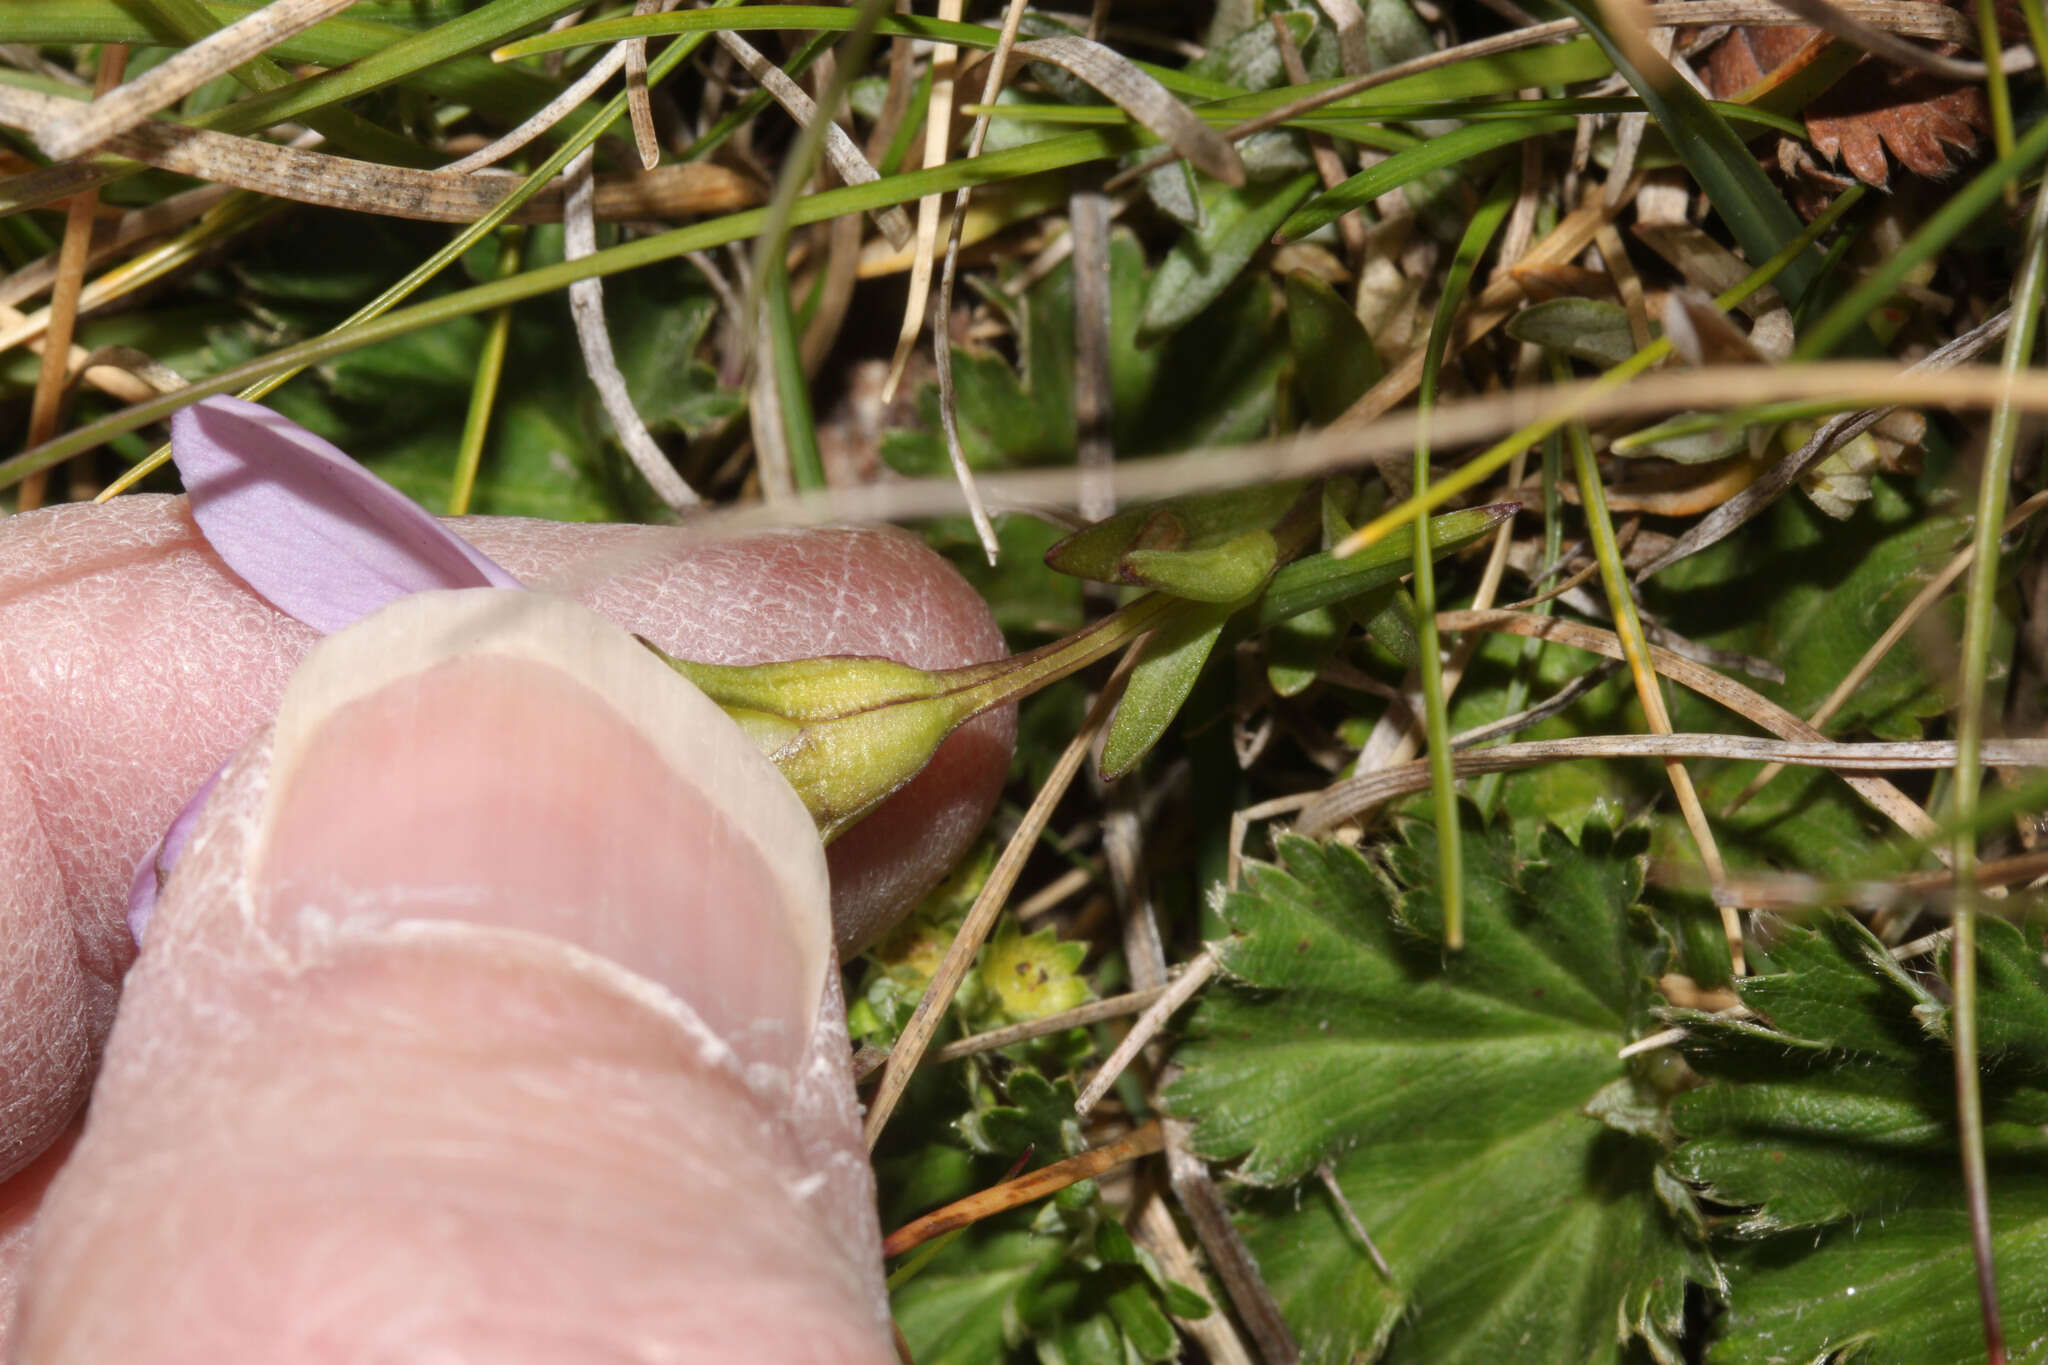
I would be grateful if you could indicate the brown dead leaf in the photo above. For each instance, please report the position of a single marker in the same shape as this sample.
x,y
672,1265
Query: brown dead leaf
x,y
1929,125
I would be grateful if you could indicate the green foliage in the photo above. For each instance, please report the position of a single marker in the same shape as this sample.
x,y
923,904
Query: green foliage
x,y
1060,1281
1334,359
399,405
1160,684
1592,330
1827,1127
1213,547
1470,1104
1213,381
1207,259
1811,595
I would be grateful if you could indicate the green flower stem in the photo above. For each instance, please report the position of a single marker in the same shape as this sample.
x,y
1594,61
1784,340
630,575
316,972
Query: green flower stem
x,y
1992,489
1436,722
1996,93
849,732
483,394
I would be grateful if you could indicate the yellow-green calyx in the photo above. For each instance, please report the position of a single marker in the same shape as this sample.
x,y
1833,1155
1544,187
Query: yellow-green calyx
x,y
849,732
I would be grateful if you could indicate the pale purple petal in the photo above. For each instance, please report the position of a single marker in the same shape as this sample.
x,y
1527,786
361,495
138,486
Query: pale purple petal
x,y
314,532
157,863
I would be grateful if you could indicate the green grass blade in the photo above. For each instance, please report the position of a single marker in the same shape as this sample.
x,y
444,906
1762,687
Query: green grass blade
x,y
1436,722
1012,163
804,18
483,394
1451,149
1725,168
792,391
1993,486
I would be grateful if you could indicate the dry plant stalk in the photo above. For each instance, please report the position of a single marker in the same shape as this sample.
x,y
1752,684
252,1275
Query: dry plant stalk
x,y
1142,1141
981,916
52,376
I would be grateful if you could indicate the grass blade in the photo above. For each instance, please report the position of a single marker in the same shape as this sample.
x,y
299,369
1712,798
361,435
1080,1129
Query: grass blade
x,y
1436,722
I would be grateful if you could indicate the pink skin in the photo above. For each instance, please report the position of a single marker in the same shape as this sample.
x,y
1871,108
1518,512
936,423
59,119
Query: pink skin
x,y
132,663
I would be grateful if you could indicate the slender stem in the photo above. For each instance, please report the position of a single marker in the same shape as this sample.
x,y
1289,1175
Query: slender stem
x,y
483,393
1436,721
1999,448
978,687
1530,661
1628,628
792,393
1996,92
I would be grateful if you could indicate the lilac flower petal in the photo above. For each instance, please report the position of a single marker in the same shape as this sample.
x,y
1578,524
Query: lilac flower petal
x,y
157,863
314,532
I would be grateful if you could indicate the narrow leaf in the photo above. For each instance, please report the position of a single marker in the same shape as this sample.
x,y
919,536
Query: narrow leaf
x,y
1160,683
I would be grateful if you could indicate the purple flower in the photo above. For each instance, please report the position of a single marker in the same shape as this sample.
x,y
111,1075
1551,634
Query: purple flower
x,y
314,533
319,536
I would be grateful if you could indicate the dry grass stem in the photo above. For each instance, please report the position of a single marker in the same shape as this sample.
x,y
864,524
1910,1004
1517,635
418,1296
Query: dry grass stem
x,y
1895,632
1751,705
942,343
1353,797
1214,1332
938,141
1796,891
117,110
52,382
573,96
586,307
1327,1174
1142,1141
396,191
1832,435
1171,998
137,225
981,916
1094,1012
846,159
1838,20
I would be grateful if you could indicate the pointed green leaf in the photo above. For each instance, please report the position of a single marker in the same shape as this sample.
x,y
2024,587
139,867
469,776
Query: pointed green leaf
x,y
1297,649
1219,573
1592,330
1319,580
1334,359
1199,522
1207,260
1160,683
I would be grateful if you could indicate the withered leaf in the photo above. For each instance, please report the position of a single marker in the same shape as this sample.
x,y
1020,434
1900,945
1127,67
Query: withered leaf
x,y
1873,109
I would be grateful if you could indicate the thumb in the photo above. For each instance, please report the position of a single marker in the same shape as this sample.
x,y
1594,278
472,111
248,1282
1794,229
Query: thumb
x,y
491,1014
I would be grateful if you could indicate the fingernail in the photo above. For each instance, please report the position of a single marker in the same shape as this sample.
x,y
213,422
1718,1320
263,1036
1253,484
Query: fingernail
x,y
511,759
